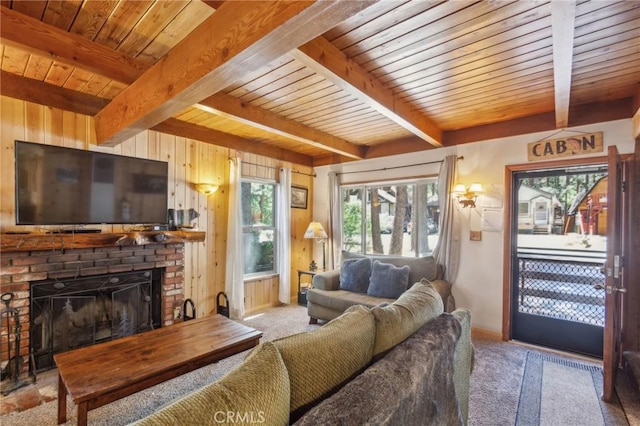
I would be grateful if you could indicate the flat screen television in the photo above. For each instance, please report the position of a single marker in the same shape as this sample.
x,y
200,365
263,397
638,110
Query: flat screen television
x,y
66,186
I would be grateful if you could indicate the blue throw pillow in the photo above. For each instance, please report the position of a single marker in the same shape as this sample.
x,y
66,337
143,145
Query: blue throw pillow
x,y
354,274
388,280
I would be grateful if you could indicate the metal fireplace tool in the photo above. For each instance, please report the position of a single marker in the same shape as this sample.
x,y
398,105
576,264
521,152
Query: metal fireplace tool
x,y
12,369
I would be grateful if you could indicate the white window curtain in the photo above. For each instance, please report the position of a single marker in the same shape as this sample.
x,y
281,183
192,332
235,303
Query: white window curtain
x,y
334,220
234,286
283,212
447,250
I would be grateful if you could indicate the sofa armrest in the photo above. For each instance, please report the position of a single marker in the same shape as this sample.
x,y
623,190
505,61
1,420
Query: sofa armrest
x,y
463,361
328,280
444,289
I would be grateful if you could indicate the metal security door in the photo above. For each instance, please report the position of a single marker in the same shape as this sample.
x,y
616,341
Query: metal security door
x,y
557,283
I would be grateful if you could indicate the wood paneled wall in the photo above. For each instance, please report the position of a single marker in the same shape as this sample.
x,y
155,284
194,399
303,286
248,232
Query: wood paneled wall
x,y
190,162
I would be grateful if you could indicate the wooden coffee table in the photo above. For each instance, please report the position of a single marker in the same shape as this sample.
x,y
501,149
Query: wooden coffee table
x,y
99,374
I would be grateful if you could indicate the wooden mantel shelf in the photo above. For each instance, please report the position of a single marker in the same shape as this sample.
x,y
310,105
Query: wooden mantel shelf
x,y
38,241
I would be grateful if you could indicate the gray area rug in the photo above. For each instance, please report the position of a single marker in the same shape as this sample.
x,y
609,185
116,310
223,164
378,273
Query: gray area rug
x,y
557,391
497,381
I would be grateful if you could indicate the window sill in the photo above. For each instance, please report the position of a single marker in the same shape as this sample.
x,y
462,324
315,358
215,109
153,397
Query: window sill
x,y
260,277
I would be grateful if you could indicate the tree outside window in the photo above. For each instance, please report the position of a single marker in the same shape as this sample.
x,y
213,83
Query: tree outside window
x,y
391,218
258,227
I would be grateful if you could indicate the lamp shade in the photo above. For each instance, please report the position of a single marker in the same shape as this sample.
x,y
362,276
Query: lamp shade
x,y
459,189
476,188
315,230
207,188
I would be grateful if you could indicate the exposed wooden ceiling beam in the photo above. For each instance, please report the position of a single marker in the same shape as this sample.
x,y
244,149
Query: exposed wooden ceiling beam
x,y
326,60
237,39
563,16
235,109
394,147
30,90
68,48
50,95
129,69
181,128
213,4
635,131
599,112
581,115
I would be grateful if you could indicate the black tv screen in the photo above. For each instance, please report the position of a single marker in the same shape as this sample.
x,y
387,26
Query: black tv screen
x,y
66,186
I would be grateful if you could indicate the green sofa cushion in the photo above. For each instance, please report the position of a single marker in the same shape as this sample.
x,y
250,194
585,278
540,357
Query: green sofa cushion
x,y
320,361
341,300
400,319
257,391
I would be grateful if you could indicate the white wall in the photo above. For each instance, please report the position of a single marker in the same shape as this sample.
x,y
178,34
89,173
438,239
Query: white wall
x,y
478,285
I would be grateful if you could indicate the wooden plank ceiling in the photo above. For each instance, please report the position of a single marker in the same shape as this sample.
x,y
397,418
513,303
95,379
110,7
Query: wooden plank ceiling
x,y
327,81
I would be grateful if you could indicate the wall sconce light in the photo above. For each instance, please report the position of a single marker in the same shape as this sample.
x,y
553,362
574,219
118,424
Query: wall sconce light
x,y
206,188
467,197
317,232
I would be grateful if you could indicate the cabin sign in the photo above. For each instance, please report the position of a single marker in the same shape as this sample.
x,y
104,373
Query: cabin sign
x,y
586,143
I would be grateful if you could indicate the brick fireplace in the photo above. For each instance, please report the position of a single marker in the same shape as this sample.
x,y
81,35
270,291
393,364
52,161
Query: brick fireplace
x,y
19,269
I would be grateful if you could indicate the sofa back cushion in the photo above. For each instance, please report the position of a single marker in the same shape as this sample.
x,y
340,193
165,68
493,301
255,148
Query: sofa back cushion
x,y
412,385
421,267
397,321
320,361
258,388
387,280
354,274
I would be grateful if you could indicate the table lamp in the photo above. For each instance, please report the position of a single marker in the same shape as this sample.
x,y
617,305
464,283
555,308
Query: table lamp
x,y
316,231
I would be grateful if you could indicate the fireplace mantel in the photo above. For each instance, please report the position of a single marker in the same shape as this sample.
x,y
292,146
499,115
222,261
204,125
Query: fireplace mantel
x,y
10,243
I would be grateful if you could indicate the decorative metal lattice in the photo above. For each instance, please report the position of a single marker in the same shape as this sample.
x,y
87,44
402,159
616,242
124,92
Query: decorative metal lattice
x,y
567,290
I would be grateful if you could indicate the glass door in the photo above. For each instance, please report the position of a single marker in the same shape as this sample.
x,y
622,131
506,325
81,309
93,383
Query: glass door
x,y
557,251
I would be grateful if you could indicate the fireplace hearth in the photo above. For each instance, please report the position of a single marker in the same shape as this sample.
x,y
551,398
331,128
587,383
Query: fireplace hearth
x,y
76,312
38,258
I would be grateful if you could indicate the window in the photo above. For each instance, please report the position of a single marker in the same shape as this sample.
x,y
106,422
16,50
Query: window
x,y
258,227
523,208
391,218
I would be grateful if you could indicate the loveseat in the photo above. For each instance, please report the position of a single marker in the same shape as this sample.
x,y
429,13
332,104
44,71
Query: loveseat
x,y
406,362
371,280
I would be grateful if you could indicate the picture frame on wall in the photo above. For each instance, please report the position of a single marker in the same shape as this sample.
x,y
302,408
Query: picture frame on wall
x,y
299,196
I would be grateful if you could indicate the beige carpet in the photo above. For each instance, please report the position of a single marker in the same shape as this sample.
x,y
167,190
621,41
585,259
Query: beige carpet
x,y
495,382
274,323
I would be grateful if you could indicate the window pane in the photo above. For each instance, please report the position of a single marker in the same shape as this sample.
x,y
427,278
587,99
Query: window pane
x,y
258,251
427,217
387,218
352,220
523,208
258,219
393,219
257,204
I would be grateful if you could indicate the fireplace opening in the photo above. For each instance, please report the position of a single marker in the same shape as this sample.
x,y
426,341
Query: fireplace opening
x,y
72,313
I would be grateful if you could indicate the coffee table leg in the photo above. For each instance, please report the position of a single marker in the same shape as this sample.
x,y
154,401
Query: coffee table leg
x,y
82,413
62,401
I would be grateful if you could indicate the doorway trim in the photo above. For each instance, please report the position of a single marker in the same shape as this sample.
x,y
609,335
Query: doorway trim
x,y
508,225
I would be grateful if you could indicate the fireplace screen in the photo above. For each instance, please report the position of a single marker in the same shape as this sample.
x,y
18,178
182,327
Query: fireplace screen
x,y
68,314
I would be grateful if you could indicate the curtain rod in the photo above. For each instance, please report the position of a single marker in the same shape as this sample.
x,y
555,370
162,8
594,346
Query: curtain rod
x,y
396,167
276,168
